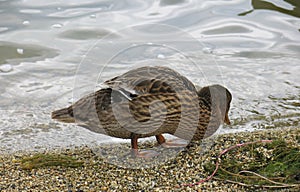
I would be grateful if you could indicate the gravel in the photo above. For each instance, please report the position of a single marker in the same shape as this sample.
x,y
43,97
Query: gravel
x,y
111,168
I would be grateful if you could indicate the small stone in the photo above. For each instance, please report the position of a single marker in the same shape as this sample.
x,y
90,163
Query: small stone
x,y
160,56
6,68
26,22
93,16
71,100
13,186
129,178
207,50
20,51
57,26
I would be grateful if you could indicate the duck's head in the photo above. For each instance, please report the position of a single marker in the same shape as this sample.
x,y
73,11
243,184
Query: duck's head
x,y
64,115
218,96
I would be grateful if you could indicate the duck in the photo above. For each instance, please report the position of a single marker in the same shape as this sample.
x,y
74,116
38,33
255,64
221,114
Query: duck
x,y
150,101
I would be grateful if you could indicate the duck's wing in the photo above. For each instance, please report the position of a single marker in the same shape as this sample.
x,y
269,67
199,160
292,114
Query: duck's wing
x,y
109,110
151,80
96,111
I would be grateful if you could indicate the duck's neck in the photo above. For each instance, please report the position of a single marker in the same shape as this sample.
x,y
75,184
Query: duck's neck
x,y
210,115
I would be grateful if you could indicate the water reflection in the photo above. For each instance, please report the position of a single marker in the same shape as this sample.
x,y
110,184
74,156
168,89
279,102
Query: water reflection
x,y
290,7
15,53
171,2
83,34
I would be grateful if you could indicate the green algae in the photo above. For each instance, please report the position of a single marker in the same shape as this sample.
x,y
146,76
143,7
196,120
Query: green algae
x,y
49,160
274,164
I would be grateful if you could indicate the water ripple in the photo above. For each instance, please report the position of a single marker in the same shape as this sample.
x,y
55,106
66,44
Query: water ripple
x,y
250,46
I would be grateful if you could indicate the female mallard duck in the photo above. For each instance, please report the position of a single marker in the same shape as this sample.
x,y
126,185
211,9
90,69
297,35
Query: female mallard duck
x,y
150,101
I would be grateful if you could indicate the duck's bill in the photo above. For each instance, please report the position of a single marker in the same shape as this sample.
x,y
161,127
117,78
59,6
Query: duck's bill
x,y
226,120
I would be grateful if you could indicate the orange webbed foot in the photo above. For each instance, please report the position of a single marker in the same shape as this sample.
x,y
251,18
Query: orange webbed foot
x,y
174,143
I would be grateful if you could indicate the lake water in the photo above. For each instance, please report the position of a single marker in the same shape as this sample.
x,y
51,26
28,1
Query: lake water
x,y
53,52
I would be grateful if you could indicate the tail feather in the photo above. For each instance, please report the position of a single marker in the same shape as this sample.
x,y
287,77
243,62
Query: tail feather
x,y
64,115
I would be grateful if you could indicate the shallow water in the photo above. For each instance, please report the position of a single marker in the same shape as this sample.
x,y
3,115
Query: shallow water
x,y
51,53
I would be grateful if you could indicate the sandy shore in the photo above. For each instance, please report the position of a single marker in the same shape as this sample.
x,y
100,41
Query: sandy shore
x,y
111,168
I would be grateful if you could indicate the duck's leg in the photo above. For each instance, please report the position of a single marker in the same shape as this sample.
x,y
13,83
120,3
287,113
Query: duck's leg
x,y
140,154
175,143
160,139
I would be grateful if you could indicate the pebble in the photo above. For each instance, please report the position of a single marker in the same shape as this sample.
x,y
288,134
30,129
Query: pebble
x,y
26,22
207,50
57,26
5,68
161,56
20,51
93,16
98,175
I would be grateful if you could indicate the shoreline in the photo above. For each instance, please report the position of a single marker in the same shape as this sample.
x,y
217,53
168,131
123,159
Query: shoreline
x,y
100,169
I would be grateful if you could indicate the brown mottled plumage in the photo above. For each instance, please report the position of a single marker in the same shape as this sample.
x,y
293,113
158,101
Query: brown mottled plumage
x,y
150,101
